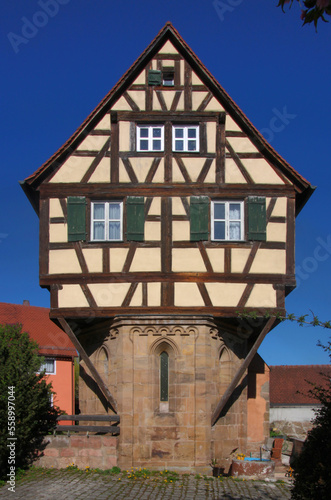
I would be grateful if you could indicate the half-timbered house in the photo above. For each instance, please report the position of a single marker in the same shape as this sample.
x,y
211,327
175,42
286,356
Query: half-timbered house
x,y
165,216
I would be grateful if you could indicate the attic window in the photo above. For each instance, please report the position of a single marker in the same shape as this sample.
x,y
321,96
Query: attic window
x,y
168,77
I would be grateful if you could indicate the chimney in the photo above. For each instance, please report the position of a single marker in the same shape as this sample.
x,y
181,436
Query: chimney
x,y
26,302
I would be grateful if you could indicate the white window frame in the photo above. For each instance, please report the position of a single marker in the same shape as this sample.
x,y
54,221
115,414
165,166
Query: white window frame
x,y
186,138
106,219
227,219
150,137
43,366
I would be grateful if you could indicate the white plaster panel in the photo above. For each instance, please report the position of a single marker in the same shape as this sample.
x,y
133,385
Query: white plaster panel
x,y
63,262
177,176
292,413
196,80
216,257
280,208
168,96
117,258
239,258
168,48
55,209
242,145
139,98
214,105
181,230
152,231
268,261
123,175
276,231
72,169
210,177
141,167
146,260
93,258
121,105
177,206
104,123
58,233
262,295
230,124
72,296
197,98
211,137
232,173
225,294
188,295
109,294
180,105
137,298
194,166
182,72
159,174
187,260
261,172
154,294
141,79
124,136
156,106
102,172
93,143
155,208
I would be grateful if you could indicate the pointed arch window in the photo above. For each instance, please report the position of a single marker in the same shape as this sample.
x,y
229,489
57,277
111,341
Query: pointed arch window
x,y
164,376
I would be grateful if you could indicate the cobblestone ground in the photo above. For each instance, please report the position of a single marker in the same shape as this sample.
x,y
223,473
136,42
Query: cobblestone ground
x,y
75,485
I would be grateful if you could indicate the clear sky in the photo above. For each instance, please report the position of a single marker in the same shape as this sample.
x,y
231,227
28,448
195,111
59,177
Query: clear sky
x,y
60,57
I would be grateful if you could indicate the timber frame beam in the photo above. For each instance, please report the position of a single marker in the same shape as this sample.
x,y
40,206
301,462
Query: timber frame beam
x,y
94,372
236,379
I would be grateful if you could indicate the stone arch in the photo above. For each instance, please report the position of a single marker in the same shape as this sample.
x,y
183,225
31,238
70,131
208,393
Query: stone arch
x,y
163,353
103,362
225,367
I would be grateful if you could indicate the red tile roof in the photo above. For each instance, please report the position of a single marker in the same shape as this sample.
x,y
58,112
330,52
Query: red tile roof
x,y
289,386
35,321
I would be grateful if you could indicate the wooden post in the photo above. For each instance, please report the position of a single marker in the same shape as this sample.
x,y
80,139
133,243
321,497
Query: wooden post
x,y
94,372
241,371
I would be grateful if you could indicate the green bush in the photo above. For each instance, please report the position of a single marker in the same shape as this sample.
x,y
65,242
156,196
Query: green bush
x,y
25,400
312,469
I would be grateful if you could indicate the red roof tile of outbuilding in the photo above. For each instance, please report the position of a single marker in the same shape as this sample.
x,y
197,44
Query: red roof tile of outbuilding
x,y
35,321
289,385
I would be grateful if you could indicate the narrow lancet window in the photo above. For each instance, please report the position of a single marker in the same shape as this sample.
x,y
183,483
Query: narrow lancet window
x,y
164,376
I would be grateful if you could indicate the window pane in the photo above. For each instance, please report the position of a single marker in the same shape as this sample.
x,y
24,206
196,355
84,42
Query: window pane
x,y
114,231
98,230
179,133
156,132
192,132
49,365
219,210
156,145
99,211
143,145
234,211
144,132
219,230
192,145
114,211
234,231
179,145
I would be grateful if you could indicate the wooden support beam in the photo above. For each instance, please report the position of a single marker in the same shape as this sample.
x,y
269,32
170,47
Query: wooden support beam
x,y
94,372
241,371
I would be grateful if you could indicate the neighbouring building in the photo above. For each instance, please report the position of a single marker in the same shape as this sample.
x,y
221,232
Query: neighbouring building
x,y
163,217
292,407
54,345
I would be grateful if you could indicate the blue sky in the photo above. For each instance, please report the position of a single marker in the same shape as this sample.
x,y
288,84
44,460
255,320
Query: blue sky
x,y
59,59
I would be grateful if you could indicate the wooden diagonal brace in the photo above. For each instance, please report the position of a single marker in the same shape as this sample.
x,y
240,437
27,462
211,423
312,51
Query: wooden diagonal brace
x,y
241,371
94,372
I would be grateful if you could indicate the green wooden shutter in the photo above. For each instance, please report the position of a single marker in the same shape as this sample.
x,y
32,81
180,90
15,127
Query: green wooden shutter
x,y
257,218
135,218
164,376
76,207
199,218
154,77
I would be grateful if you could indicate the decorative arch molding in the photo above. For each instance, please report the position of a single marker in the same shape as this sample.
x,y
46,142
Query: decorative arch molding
x,y
163,344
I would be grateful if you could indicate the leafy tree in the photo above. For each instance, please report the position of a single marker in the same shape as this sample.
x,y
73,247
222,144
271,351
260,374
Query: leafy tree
x,y
312,471
25,400
311,10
